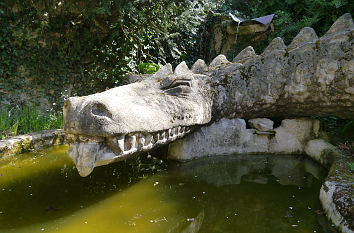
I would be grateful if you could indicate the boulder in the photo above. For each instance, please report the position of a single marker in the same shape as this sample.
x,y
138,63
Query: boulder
x,y
262,124
321,151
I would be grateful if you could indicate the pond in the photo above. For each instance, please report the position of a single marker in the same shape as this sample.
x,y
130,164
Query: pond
x,y
42,192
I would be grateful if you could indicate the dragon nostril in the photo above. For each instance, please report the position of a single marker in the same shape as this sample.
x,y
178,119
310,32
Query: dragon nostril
x,y
99,109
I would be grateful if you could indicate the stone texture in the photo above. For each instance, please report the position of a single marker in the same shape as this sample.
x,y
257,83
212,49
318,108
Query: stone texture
x,y
148,106
276,44
199,67
291,136
321,151
182,69
22,143
246,53
337,195
230,136
306,35
262,124
218,62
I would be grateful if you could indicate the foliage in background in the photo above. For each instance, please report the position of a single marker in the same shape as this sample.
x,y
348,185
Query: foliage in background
x,y
15,121
77,47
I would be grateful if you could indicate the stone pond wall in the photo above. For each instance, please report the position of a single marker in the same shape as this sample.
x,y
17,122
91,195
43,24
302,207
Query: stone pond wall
x,y
32,141
231,136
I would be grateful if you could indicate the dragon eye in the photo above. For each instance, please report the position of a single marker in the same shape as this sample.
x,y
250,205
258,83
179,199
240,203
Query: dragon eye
x,y
180,87
180,82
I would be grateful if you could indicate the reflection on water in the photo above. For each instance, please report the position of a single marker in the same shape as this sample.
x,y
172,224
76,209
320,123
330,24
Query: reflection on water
x,y
42,192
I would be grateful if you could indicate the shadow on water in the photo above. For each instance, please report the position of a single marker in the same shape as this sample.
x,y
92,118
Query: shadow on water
x,y
43,191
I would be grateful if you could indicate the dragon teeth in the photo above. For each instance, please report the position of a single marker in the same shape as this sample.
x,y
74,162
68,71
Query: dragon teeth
x,y
125,144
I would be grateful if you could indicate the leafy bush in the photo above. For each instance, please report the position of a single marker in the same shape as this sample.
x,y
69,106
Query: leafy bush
x,y
148,67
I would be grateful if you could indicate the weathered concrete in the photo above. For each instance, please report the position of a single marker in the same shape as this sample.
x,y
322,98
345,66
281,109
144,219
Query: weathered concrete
x,y
337,195
32,141
230,136
322,152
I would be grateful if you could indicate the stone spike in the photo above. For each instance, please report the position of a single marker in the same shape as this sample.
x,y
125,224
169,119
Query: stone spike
x,y
246,53
342,23
182,68
217,62
306,35
163,71
199,67
276,44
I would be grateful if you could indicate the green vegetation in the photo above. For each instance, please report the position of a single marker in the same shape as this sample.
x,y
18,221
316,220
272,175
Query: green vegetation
x,y
16,121
148,67
78,47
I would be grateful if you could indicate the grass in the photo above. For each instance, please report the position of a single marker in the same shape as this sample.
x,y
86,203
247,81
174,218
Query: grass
x,y
21,120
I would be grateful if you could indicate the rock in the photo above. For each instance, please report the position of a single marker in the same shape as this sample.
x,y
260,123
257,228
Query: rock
x,y
276,44
163,71
321,151
292,135
306,35
37,140
199,67
132,78
182,69
262,124
246,53
218,62
337,195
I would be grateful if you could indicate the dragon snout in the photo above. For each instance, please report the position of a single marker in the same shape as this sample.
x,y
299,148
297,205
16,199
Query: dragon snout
x,y
86,116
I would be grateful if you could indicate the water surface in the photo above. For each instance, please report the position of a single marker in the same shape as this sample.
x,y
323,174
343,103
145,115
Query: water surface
x,y
42,192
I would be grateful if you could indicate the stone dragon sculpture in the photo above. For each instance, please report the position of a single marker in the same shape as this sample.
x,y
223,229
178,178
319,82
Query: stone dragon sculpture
x,y
311,76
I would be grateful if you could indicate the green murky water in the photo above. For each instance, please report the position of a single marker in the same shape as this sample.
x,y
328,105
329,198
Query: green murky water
x,y
42,192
